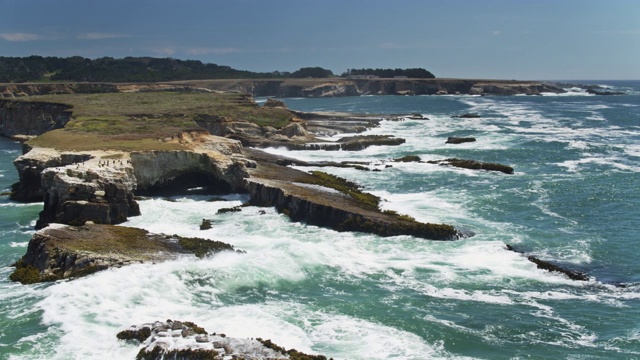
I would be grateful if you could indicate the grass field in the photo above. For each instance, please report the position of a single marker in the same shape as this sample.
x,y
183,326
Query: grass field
x,y
140,121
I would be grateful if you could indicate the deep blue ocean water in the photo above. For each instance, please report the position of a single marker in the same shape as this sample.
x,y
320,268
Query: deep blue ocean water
x,y
573,200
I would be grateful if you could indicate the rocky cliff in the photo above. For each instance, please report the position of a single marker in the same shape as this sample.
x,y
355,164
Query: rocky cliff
x,y
31,119
88,191
99,186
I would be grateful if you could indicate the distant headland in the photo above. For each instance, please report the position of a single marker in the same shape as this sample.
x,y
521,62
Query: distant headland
x,y
36,75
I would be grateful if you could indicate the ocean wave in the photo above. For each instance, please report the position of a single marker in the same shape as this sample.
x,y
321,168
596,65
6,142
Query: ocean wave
x,y
614,163
14,244
16,204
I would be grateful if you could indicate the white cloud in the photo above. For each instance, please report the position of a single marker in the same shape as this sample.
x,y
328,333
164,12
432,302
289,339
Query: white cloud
x,y
19,36
496,32
100,36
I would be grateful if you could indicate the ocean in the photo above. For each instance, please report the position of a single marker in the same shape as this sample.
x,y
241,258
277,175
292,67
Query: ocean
x,y
573,200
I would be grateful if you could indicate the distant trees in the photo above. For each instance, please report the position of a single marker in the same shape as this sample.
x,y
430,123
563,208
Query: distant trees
x,y
108,69
418,73
312,72
148,69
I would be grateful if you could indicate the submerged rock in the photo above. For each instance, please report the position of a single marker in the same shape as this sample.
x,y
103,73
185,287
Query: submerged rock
x,y
546,265
467,116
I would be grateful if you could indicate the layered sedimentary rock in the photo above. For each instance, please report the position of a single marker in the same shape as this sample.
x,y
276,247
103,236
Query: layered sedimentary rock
x,y
99,186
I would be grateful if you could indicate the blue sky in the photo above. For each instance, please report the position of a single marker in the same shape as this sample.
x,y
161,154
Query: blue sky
x,y
541,39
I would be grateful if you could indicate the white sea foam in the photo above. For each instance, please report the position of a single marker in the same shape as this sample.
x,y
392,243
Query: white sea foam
x,y
15,204
23,244
615,163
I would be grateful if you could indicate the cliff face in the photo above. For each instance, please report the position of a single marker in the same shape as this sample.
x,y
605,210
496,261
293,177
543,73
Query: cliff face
x,y
99,186
31,119
88,191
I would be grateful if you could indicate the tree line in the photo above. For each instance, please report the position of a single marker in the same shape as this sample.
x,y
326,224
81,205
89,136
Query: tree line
x,y
417,73
149,69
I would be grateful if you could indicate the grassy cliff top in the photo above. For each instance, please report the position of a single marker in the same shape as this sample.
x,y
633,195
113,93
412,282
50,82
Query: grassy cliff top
x,y
141,120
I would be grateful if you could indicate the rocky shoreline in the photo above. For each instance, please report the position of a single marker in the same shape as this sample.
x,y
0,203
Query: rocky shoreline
x,y
82,188
93,190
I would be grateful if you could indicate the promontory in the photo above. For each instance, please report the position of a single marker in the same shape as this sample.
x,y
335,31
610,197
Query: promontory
x,y
90,155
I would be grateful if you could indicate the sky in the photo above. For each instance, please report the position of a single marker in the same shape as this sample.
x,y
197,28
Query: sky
x,y
488,39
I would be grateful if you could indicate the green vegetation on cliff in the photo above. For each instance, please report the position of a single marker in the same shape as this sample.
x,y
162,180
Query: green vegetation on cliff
x,y
145,120
344,186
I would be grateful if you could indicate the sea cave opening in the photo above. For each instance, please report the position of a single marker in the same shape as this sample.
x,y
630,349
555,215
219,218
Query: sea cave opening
x,y
186,183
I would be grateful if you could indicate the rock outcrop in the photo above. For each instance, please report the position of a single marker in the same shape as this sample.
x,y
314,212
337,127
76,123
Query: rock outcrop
x,y
61,252
101,191
606,92
179,340
296,194
549,266
350,143
459,140
474,165
512,88
274,103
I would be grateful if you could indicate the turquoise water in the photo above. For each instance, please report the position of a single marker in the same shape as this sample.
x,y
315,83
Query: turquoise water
x,y
573,200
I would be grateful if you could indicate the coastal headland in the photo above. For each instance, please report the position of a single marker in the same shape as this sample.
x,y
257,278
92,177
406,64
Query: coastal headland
x,y
91,149
90,155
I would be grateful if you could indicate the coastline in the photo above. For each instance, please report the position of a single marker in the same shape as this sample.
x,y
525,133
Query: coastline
x,y
325,87
476,277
